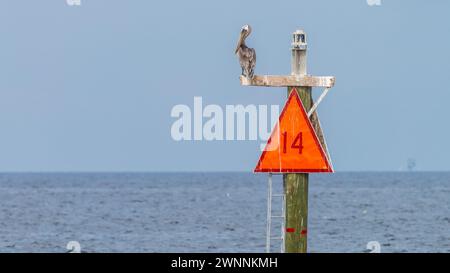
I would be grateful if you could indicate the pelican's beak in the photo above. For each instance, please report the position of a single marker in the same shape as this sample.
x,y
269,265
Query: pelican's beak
x,y
241,38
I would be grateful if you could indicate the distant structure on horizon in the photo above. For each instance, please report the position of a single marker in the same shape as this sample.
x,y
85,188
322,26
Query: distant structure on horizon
x,y
411,164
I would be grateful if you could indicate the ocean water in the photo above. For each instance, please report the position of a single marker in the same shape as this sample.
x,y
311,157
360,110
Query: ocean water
x,y
218,212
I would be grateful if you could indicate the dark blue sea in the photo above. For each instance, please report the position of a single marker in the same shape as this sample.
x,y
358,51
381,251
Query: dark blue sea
x,y
218,212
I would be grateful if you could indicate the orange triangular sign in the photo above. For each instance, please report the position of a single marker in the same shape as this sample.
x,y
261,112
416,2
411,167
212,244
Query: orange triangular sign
x,y
293,146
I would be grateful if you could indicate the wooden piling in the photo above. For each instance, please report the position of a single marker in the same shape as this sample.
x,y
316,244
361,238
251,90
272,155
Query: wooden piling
x,y
296,185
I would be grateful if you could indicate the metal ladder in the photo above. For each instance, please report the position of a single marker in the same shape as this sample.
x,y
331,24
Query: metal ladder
x,y
269,237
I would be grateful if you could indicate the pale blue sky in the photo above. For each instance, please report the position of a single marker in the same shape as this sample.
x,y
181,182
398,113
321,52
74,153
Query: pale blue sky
x,y
91,88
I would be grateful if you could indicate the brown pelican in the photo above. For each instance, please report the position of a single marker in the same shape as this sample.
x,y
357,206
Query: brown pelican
x,y
247,56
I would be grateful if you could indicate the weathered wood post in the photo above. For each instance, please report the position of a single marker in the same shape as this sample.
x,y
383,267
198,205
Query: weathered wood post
x,y
296,184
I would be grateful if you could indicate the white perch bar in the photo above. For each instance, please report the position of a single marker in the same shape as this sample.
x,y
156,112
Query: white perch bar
x,y
283,81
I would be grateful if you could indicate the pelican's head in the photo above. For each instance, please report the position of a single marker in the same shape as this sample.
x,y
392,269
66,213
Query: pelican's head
x,y
245,32
246,29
